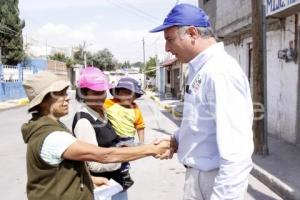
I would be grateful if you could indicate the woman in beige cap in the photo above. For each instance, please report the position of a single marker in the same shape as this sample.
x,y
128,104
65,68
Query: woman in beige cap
x,y
55,166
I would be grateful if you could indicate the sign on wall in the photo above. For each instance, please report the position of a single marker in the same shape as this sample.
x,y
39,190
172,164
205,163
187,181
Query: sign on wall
x,y
275,6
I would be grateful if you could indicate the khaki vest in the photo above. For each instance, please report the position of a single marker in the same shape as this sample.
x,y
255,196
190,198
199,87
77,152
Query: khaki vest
x,y
70,180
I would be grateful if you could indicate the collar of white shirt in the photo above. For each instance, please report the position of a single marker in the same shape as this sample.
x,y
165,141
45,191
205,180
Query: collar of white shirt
x,y
197,62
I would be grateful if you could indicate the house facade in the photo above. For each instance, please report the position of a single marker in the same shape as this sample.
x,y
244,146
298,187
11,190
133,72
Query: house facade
x,y
232,22
172,78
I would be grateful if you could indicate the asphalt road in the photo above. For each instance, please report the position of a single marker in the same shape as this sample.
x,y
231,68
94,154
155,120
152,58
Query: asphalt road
x,y
154,179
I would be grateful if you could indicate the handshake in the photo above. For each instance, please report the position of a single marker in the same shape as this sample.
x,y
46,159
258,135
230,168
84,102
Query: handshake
x,y
164,148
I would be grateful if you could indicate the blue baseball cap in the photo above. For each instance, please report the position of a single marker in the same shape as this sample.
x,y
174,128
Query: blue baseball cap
x,y
184,15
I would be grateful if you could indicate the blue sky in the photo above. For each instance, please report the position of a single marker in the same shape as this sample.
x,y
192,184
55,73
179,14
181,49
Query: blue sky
x,y
118,25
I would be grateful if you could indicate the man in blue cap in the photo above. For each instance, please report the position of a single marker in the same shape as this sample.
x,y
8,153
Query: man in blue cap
x,y
214,141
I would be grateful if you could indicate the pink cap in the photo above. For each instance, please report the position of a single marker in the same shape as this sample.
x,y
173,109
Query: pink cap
x,y
94,79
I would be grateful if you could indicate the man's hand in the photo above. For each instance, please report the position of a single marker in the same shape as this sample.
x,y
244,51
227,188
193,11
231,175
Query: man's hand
x,y
99,181
161,147
168,154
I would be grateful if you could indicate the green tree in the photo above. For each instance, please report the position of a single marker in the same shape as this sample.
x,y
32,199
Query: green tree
x,y
11,40
150,69
137,64
62,58
104,60
59,57
78,54
118,65
126,64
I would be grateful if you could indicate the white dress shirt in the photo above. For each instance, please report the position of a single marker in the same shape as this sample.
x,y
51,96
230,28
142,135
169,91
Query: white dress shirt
x,y
216,129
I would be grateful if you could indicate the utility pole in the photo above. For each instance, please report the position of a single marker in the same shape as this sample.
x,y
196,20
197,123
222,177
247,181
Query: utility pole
x,y
259,78
46,50
0,55
144,59
84,59
83,53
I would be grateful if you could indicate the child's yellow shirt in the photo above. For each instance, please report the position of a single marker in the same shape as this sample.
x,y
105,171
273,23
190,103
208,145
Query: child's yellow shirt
x,y
125,121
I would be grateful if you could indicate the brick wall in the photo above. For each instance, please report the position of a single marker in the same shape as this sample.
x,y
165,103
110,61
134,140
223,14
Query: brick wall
x,y
59,68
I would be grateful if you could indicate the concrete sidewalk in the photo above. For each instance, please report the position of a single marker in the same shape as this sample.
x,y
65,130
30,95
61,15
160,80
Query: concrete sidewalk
x,y
172,105
280,170
10,104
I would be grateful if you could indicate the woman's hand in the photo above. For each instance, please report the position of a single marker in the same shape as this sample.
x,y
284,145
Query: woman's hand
x,y
99,181
168,154
161,147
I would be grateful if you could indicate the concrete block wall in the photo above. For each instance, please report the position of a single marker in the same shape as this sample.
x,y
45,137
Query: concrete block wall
x,y
232,15
282,84
227,16
241,53
210,7
59,68
282,80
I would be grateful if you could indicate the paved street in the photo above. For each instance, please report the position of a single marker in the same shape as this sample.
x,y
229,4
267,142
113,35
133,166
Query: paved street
x,y
164,179
154,179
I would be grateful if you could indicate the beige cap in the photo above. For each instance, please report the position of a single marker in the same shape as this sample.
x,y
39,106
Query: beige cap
x,y
37,86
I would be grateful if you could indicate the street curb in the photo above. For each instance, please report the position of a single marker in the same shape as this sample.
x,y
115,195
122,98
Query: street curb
x,y
19,103
276,185
164,106
156,100
23,101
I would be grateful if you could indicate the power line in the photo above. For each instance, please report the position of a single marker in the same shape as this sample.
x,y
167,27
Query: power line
x,y
42,43
155,41
124,8
117,5
134,43
35,21
130,10
139,10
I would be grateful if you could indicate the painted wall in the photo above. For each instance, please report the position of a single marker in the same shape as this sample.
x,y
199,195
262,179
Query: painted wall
x,y
282,80
162,80
210,7
232,15
37,64
11,78
282,84
11,88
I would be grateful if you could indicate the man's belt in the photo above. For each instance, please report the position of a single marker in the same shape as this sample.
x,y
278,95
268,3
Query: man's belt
x,y
187,166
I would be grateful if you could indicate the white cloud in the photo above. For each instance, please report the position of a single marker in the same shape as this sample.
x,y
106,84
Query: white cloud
x,y
54,5
129,46
64,35
46,5
125,44
119,28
